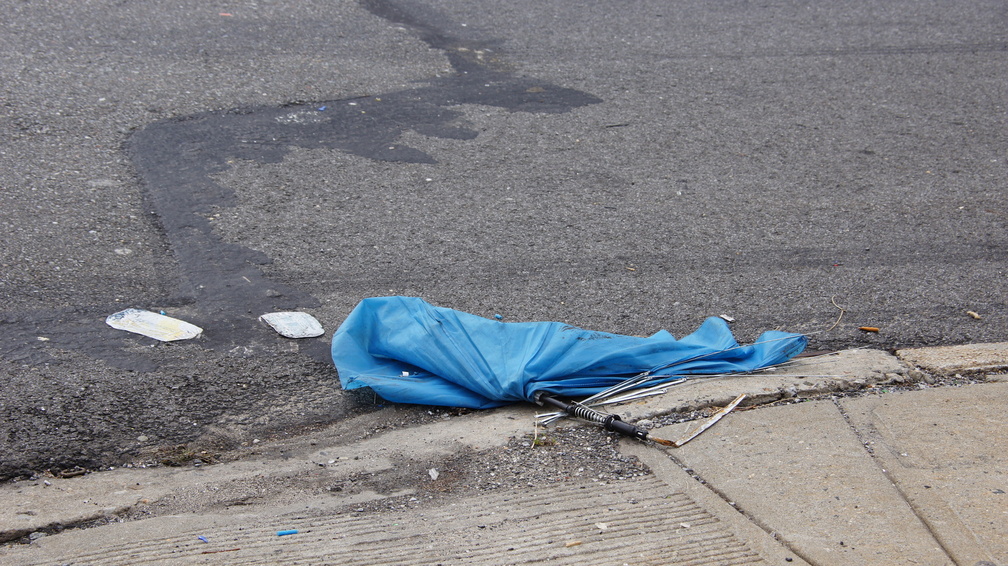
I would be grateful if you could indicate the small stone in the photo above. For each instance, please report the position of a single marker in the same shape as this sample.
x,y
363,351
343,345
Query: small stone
x,y
894,378
36,535
142,438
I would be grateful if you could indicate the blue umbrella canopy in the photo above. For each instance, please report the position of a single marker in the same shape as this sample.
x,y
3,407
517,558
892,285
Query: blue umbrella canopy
x,y
409,351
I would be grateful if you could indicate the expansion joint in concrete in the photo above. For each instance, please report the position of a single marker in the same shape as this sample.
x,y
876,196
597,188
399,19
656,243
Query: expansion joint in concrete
x,y
734,505
867,444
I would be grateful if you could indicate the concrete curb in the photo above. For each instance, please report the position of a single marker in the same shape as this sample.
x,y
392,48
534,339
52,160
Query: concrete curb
x,y
50,505
969,358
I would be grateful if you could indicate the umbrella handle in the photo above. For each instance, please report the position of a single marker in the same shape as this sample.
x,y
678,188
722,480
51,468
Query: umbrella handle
x,y
611,423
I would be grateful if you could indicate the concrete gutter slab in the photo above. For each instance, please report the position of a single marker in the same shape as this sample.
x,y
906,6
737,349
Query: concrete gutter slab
x,y
947,451
678,480
800,472
642,520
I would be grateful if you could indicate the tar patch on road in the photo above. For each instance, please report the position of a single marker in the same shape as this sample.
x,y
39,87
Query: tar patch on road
x,y
178,159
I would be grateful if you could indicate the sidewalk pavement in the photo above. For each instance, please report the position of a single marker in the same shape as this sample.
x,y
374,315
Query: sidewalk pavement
x,y
911,469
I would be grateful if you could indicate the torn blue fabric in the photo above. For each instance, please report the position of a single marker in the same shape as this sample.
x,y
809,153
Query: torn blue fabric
x,y
409,351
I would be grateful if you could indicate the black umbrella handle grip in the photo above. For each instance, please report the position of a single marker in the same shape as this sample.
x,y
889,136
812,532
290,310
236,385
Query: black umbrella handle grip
x,y
616,424
611,423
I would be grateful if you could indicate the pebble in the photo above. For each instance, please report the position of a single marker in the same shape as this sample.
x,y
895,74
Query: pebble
x,y
895,378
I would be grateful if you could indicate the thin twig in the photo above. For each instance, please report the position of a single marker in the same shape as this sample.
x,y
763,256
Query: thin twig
x,y
842,311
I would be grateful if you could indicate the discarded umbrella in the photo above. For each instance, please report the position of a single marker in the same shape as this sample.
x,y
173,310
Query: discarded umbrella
x,y
409,351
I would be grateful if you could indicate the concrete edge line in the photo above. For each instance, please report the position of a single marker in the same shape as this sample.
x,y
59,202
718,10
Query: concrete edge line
x,y
672,473
885,469
956,539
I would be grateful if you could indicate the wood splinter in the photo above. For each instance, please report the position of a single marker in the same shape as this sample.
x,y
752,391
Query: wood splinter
x,y
709,422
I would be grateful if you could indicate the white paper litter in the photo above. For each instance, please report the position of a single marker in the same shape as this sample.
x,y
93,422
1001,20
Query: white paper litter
x,y
294,324
153,325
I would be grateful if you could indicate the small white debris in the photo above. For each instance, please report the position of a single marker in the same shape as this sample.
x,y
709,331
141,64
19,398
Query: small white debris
x,y
153,325
601,526
294,324
727,318
433,473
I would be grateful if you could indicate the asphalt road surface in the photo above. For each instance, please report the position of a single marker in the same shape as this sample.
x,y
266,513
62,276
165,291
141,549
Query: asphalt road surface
x,y
620,166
